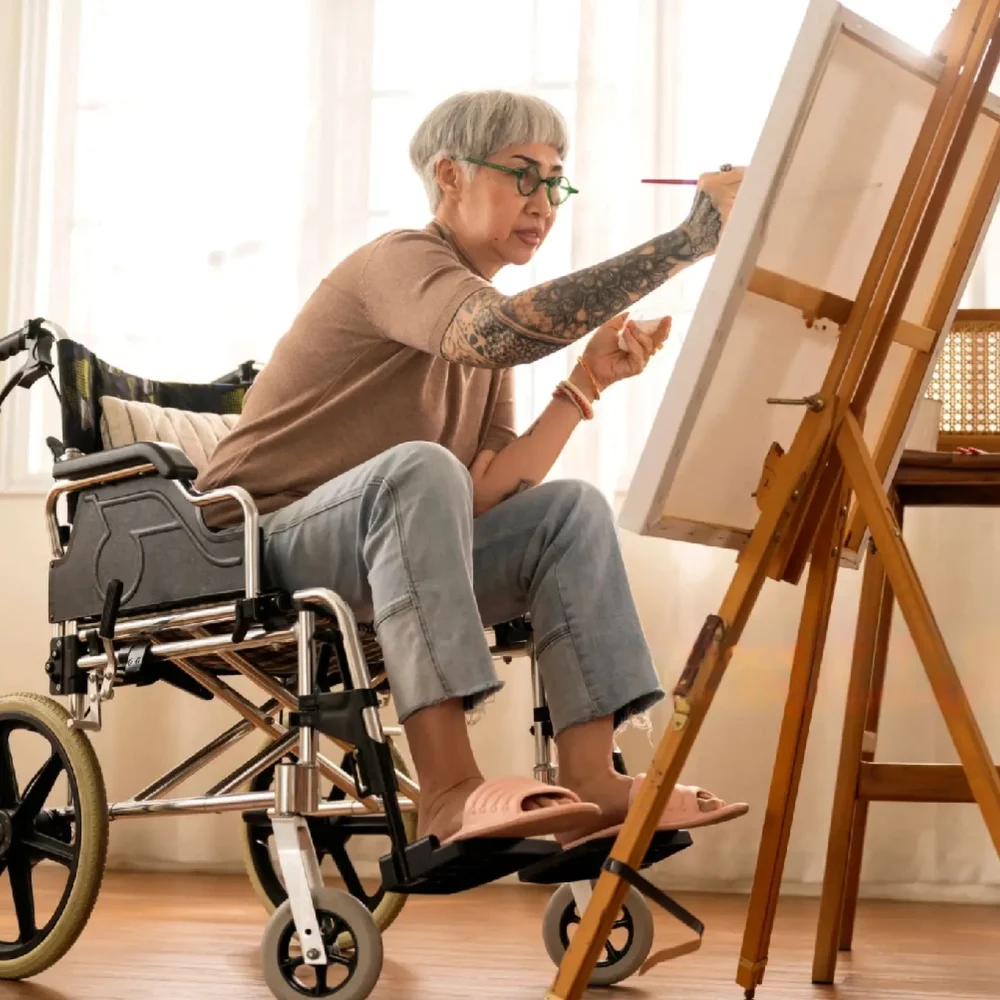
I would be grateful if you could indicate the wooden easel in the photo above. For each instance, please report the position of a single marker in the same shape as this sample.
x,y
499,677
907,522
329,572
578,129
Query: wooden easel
x,y
807,516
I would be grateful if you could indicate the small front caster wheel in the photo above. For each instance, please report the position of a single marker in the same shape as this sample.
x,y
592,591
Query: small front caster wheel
x,y
352,970
627,946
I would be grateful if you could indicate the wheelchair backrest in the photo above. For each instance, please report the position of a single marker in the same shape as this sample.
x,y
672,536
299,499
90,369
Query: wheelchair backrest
x,y
84,379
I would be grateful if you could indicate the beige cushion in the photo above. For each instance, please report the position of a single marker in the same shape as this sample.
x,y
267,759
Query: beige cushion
x,y
196,434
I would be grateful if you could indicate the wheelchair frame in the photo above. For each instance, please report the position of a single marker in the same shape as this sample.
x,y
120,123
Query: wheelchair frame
x,y
90,659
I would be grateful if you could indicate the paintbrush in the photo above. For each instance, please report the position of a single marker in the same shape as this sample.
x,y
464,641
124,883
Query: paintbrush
x,y
667,180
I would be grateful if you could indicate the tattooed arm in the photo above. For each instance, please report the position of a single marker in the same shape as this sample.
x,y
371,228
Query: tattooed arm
x,y
492,330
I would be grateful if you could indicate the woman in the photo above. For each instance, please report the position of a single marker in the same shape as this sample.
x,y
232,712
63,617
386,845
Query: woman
x,y
379,444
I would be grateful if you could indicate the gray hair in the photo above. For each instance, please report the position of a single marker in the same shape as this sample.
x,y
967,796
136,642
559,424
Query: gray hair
x,y
477,124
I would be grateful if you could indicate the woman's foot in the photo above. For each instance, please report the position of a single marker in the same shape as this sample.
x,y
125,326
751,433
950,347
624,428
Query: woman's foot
x,y
687,806
440,816
607,789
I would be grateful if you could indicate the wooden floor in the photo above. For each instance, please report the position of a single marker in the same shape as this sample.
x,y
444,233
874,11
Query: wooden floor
x,y
160,937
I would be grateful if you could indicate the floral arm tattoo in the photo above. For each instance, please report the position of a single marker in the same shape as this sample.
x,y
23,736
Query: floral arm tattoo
x,y
492,330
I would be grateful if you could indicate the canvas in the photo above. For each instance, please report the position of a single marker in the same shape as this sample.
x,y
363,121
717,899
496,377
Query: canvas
x,y
815,197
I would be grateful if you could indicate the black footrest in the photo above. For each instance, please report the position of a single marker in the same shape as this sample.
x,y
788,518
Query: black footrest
x,y
463,864
584,862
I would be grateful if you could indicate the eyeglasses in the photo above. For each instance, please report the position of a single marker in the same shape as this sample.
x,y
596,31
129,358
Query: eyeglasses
x,y
529,180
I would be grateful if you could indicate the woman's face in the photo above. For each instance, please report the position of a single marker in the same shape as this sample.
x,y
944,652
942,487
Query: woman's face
x,y
489,215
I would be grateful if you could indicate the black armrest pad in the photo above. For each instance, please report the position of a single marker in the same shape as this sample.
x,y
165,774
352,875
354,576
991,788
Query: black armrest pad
x,y
168,460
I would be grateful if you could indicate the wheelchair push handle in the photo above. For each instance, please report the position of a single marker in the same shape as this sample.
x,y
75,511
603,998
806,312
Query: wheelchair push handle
x,y
38,335
13,343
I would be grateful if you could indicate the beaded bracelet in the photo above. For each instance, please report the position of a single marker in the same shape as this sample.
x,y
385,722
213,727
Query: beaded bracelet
x,y
568,391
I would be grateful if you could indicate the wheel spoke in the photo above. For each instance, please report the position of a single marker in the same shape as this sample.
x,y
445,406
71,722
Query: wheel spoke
x,y
337,957
290,964
24,897
39,789
8,776
49,849
320,978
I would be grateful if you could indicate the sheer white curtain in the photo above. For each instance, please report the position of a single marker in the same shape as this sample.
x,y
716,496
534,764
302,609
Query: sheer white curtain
x,y
196,166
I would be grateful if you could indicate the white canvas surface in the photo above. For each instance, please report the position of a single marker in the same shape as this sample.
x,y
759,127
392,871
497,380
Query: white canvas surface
x,y
816,194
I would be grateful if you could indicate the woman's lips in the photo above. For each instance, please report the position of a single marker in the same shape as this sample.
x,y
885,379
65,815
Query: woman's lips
x,y
529,237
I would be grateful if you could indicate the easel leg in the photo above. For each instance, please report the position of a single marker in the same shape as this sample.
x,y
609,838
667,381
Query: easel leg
x,y
847,826
692,699
945,683
853,880
790,755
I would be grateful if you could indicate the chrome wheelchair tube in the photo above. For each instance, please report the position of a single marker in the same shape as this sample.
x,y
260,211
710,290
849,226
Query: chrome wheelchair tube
x,y
201,758
233,698
249,711
357,666
406,784
297,786
75,485
261,761
201,804
544,771
251,526
244,802
306,630
199,647
127,627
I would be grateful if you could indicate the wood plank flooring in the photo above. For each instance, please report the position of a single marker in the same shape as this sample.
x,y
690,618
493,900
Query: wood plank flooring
x,y
169,937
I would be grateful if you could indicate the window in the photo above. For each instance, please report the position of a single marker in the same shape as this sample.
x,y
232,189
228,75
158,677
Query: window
x,y
199,166
190,170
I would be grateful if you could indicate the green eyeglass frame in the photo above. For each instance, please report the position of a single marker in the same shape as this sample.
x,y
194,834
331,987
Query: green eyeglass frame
x,y
529,180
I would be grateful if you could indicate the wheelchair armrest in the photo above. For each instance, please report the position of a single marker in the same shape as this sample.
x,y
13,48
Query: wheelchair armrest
x,y
168,460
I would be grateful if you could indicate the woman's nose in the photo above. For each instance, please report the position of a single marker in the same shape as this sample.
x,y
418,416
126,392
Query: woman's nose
x,y
538,203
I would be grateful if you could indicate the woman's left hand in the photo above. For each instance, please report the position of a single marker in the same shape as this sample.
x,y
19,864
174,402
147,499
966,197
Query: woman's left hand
x,y
622,347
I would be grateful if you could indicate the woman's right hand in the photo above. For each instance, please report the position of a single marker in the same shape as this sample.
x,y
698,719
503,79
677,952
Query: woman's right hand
x,y
722,187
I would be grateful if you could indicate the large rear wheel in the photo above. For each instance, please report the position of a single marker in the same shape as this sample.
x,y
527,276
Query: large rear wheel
x,y
53,833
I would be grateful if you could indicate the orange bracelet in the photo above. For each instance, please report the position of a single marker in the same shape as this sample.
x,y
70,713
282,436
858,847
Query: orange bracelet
x,y
593,381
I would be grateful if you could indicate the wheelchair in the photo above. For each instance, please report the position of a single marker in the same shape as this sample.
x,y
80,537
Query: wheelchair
x,y
142,592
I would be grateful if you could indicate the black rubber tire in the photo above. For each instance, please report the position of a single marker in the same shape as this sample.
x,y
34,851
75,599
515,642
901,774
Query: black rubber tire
x,y
349,919
73,754
612,968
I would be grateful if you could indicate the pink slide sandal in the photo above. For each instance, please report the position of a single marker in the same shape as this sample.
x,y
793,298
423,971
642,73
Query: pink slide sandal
x,y
521,807
687,808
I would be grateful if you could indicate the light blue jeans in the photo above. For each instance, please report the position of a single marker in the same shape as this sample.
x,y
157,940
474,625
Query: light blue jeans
x,y
397,540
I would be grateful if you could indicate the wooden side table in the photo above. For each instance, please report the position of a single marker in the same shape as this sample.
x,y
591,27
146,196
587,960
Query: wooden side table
x,y
924,479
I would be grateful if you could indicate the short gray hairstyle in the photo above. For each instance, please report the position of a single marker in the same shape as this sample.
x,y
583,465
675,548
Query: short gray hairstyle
x,y
477,124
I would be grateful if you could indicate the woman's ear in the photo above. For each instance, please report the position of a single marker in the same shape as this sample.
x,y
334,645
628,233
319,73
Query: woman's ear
x,y
449,176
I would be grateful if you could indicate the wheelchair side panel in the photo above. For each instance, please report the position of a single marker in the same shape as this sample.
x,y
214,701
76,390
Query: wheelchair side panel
x,y
144,533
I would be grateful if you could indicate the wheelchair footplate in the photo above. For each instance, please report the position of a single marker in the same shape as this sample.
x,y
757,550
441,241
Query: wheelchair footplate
x,y
584,862
436,870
